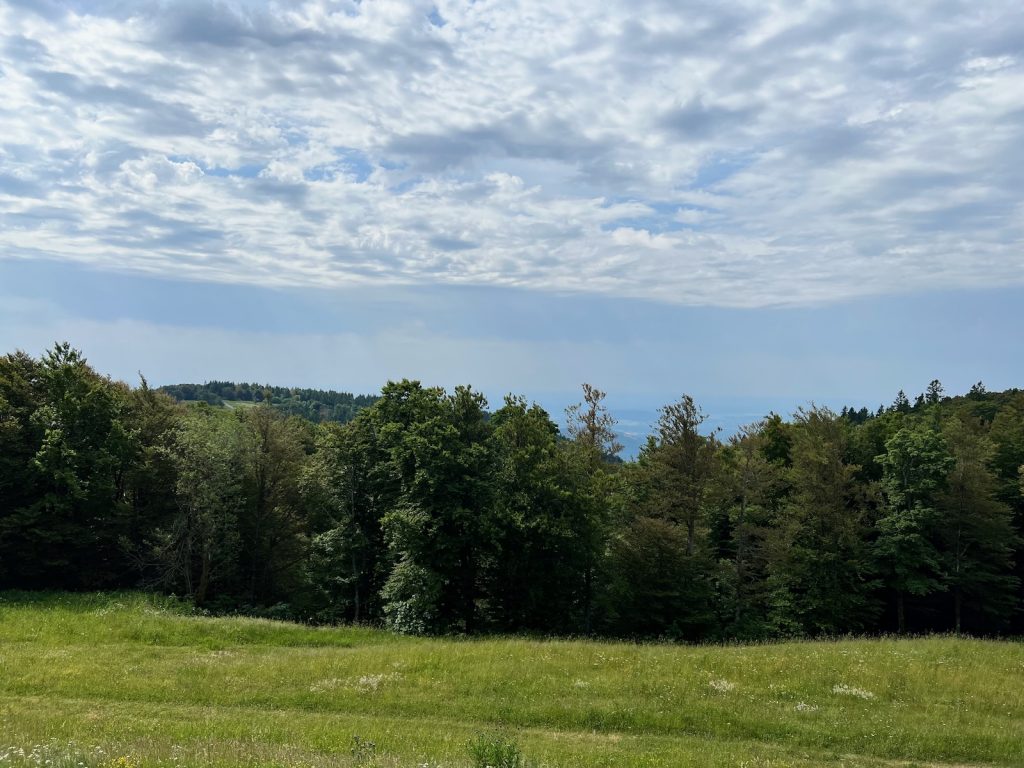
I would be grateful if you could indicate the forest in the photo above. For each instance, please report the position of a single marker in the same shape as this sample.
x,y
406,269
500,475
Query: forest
x,y
314,404
434,512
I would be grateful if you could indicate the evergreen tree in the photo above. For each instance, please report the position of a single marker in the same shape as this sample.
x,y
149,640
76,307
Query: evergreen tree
x,y
748,485
682,462
590,424
901,404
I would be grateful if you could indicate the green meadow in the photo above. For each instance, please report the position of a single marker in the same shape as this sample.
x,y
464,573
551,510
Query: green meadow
x,y
136,680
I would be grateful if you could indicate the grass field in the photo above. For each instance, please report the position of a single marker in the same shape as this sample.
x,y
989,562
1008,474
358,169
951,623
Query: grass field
x,y
131,680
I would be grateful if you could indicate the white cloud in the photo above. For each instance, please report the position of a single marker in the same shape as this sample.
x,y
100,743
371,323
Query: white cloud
x,y
734,154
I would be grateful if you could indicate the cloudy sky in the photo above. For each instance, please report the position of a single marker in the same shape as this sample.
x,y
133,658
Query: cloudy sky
x,y
756,202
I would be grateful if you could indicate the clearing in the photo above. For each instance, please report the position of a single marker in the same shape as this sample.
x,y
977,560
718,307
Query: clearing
x,y
137,680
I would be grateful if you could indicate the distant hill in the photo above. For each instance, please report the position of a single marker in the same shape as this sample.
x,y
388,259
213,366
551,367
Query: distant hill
x,y
317,405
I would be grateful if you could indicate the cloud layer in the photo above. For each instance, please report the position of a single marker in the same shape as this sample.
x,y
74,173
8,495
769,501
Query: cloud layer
x,y
735,154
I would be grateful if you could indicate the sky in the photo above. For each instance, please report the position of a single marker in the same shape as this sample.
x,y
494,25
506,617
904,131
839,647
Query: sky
x,y
760,204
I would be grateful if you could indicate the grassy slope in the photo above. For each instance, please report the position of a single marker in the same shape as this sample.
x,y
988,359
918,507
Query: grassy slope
x,y
135,676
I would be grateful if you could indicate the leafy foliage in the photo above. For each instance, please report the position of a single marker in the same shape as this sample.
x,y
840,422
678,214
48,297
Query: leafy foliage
x,y
430,514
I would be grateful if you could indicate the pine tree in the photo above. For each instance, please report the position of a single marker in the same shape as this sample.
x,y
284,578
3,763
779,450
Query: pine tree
x,y
590,424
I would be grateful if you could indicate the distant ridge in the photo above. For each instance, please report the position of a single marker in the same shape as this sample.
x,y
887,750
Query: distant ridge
x,y
317,405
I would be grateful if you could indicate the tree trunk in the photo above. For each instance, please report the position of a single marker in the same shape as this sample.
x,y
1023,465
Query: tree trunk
x,y
186,562
957,595
588,599
356,575
957,605
355,580
901,615
256,545
204,577
468,592
740,552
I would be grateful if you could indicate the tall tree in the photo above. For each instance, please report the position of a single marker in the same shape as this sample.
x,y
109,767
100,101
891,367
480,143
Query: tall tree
x,y
590,424
659,590
748,485
592,447
21,395
199,550
152,418
347,489
273,452
818,568
439,527
977,534
902,403
1007,435
661,556
68,528
682,464
548,525
915,467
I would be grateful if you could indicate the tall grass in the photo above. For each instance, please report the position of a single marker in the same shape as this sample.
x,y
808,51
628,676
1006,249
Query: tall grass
x,y
144,679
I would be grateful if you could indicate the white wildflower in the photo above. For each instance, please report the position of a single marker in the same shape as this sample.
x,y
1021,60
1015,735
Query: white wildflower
x,y
849,690
370,682
328,684
721,685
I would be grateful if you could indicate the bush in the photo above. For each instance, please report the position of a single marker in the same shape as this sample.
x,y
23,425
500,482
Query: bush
x,y
495,751
411,596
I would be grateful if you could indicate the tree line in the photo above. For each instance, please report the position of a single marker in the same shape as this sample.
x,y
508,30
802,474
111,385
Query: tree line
x,y
316,405
430,512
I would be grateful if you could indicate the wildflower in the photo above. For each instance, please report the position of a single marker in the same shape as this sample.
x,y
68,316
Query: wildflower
x,y
329,684
849,690
370,682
